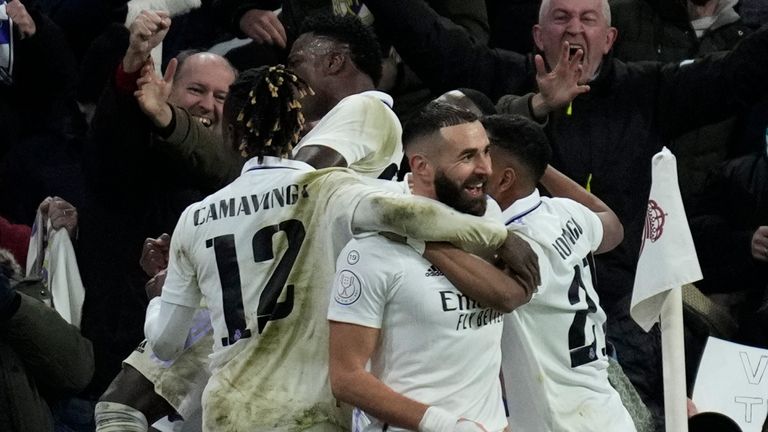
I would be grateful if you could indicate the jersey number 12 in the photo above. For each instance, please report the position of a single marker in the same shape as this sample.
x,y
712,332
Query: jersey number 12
x,y
229,274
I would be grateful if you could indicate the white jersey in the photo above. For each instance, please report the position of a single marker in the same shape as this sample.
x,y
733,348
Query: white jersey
x,y
261,252
554,353
365,131
437,346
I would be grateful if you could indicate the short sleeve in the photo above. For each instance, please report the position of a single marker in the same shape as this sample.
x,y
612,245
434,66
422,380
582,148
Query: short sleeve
x,y
181,285
364,281
592,223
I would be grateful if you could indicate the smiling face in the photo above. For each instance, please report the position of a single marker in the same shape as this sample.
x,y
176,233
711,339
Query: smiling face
x,y
584,24
461,168
201,86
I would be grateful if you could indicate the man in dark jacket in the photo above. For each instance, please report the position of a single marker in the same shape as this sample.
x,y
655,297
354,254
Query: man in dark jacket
x,y
42,358
604,138
143,167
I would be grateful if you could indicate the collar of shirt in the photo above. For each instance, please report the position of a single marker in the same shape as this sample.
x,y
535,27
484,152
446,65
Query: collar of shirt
x,y
387,99
271,162
521,208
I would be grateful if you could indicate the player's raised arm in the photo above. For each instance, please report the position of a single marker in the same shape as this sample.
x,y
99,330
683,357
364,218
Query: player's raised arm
x,y
561,186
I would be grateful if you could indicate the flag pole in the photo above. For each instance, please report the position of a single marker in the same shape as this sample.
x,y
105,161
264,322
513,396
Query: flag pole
x,y
673,362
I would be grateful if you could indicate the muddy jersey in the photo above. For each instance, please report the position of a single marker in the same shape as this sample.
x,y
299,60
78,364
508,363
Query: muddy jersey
x,y
261,252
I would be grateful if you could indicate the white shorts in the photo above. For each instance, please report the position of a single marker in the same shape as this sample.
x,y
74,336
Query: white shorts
x,y
180,382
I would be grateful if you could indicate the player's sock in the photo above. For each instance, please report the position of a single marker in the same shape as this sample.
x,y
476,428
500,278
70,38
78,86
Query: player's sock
x,y
116,417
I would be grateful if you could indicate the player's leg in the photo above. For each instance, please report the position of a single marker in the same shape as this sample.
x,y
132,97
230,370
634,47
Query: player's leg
x,y
130,403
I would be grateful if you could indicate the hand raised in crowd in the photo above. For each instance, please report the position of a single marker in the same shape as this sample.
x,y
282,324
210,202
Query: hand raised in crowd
x,y
147,31
759,244
154,286
560,86
61,213
152,95
21,18
154,255
264,27
521,262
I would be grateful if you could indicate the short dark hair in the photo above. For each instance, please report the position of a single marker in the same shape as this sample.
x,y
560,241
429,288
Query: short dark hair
x,y
433,117
522,138
264,111
364,49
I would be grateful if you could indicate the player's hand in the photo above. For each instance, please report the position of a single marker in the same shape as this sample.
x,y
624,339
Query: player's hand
x,y
154,286
760,244
153,92
521,261
154,255
61,213
147,31
263,27
22,20
560,86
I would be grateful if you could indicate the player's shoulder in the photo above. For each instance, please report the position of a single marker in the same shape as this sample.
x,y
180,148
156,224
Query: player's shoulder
x,y
368,100
377,249
567,206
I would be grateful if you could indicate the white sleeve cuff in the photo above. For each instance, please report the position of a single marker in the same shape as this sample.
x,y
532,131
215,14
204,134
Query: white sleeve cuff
x,y
437,420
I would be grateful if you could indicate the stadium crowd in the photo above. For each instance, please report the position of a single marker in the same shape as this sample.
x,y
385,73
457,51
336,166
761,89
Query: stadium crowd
x,y
329,215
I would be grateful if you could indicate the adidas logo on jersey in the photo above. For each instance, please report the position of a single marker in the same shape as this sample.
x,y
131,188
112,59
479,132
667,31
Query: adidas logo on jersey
x,y
433,271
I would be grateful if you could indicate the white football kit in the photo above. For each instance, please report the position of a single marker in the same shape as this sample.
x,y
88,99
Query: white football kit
x,y
554,354
261,252
365,131
436,346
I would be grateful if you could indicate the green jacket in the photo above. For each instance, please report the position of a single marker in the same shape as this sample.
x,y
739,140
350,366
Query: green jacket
x,y
42,357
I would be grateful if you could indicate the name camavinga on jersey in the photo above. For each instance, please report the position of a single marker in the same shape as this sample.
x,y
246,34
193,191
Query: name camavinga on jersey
x,y
247,205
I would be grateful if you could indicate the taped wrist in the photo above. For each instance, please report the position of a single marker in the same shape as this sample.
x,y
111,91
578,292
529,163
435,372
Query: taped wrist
x,y
117,417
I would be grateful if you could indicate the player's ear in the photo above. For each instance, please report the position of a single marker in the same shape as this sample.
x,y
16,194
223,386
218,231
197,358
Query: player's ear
x,y
507,179
420,166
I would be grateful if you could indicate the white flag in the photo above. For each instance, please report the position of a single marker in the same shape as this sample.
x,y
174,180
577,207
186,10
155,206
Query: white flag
x,y
667,256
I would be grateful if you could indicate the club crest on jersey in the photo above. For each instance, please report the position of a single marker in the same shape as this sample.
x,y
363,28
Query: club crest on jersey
x,y
348,288
353,257
654,223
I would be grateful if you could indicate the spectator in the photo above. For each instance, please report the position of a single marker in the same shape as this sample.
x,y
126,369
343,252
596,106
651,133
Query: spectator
x,y
732,215
141,174
38,116
44,358
674,31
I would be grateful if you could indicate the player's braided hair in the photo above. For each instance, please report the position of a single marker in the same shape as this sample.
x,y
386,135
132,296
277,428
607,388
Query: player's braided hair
x,y
264,110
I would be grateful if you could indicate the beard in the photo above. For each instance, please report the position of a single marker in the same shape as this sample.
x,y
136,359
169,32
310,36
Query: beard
x,y
699,2
453,195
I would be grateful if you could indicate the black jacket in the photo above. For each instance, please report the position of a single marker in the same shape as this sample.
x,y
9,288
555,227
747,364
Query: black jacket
x,y
632,110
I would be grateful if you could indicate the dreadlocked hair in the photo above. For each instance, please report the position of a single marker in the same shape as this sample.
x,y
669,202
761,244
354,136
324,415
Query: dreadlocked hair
x,y
264,109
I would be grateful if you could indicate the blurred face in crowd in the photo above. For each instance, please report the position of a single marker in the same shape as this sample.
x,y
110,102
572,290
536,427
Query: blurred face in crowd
x,y
311,57
460,167
201,85
585,24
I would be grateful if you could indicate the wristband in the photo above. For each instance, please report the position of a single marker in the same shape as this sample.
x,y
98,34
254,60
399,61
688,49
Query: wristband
x,y
437,420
